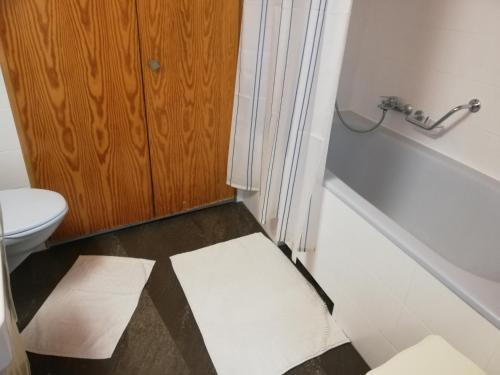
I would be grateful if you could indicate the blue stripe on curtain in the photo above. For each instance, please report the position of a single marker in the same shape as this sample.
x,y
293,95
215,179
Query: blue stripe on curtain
x,y
270,167
258,66
291,120
304,247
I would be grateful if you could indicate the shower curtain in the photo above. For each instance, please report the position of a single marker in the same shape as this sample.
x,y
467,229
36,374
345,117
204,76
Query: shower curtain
x,y
288,69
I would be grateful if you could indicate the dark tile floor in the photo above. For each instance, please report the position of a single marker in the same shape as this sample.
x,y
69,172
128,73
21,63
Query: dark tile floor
x,y
162,337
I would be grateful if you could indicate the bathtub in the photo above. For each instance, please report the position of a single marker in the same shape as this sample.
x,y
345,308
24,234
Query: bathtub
x,y
442,214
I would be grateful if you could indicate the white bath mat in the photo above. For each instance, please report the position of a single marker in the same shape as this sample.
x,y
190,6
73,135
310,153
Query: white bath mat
x,y
256,313
87,312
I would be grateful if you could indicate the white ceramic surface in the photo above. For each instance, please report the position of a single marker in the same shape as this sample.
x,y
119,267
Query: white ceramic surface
x,y
30,218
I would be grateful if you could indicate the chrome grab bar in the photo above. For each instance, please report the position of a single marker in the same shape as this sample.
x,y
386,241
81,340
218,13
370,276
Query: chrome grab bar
x,y
418,118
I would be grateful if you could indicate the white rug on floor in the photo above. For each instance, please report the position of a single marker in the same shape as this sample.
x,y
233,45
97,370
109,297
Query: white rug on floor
x,y
257,314
87,312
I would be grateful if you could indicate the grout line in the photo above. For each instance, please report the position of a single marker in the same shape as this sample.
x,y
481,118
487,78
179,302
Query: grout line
x,y
145,109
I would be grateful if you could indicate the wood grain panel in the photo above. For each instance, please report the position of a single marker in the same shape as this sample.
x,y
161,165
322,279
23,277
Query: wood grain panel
x,y
189,99
74,79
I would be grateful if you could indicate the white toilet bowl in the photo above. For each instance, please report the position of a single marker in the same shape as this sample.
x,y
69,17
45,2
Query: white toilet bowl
x,y
30,216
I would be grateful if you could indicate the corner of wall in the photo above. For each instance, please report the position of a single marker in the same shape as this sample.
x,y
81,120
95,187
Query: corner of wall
x,y
13,172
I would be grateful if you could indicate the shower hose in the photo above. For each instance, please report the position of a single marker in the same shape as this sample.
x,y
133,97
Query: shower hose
x,y
348,126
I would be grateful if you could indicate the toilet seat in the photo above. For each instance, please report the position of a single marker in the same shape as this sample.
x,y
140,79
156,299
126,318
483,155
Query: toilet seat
x,y
28,210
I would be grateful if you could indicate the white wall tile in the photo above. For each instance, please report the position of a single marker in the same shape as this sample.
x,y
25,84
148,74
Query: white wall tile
x,y
408,330
367,339
4,100
461,15
447,315
384,308
373,253
12,170
12,167
494,364
8,134
364,306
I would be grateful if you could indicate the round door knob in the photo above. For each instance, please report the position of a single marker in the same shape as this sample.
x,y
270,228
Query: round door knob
x,y
154,64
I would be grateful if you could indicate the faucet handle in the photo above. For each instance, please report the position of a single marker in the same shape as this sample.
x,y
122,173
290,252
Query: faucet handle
x,y
391,102
395,103
407,109
388,102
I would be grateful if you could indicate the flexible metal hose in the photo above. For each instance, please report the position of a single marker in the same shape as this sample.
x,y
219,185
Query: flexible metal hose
x,y
384,111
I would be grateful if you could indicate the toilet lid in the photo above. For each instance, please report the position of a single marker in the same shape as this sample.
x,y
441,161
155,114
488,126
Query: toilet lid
x,y
25,209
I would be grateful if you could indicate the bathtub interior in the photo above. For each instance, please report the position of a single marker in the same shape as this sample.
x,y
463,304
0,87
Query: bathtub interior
x,y
453,209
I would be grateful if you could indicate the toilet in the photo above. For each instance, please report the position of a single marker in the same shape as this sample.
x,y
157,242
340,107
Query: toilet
x,y
30,216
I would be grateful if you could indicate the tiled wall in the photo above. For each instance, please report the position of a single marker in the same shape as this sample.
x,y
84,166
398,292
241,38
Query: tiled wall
x,y
384,300
436,55
12,168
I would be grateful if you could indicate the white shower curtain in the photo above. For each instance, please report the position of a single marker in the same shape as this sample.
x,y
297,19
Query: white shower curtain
x,y
289,65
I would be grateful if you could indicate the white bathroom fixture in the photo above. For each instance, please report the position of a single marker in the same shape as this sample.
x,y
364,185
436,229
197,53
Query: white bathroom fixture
x,y
30,217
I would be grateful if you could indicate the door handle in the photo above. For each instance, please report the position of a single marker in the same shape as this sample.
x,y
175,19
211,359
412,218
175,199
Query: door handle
x,y
154,64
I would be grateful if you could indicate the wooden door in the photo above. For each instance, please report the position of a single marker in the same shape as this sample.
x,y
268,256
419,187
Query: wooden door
x,y
73,72
189,97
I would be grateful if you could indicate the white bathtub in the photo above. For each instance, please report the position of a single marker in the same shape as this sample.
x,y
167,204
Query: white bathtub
x,y
406,247
443,214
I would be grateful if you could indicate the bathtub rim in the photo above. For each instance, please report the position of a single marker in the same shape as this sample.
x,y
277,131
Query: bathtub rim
x,y
479,293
